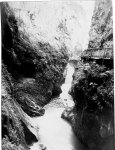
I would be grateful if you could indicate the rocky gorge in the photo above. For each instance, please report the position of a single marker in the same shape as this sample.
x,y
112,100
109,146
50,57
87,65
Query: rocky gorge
x,y
45,81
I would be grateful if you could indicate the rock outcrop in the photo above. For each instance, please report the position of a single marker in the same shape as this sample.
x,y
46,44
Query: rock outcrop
x,y
92,118
14,125
36,67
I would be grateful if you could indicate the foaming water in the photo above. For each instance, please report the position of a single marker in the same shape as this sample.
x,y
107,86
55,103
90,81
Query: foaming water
x,y
54,132
67,99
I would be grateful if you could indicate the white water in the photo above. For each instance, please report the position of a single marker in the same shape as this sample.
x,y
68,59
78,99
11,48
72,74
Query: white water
x,y
54,132
67,99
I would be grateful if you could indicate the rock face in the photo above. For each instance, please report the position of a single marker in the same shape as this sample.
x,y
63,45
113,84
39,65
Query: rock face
x,y
101,32
36,67
32,75
14,129
93,116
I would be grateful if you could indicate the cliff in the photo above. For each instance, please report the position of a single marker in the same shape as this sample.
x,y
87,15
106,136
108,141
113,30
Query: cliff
x,y
92,118
92,89
101,32
14,124
32,75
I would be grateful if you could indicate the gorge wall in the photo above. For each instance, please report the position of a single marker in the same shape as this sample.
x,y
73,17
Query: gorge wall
x,y
32,72
92,89
93,115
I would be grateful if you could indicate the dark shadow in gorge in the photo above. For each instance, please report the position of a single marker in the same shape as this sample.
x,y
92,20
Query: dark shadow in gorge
x,y
30,138
76,143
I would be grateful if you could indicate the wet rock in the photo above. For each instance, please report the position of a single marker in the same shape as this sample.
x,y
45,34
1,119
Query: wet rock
x,y
68,114
42,147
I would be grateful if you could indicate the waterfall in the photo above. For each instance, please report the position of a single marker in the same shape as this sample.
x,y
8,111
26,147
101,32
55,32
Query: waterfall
x,y
67,99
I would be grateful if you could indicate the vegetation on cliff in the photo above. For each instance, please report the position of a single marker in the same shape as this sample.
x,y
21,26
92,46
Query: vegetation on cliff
x,y
93,85
32,74
93,89
12,130
93,93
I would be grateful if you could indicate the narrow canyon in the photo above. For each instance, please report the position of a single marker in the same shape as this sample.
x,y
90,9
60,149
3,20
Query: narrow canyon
x,y
57,75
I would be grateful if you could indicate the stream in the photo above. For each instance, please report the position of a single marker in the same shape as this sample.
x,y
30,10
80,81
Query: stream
x,y
54,132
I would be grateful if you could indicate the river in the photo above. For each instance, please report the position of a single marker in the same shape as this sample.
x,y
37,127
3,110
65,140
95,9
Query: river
x,y
54,132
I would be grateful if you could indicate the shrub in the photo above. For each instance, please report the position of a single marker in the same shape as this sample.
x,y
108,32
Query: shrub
x,y
94,90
